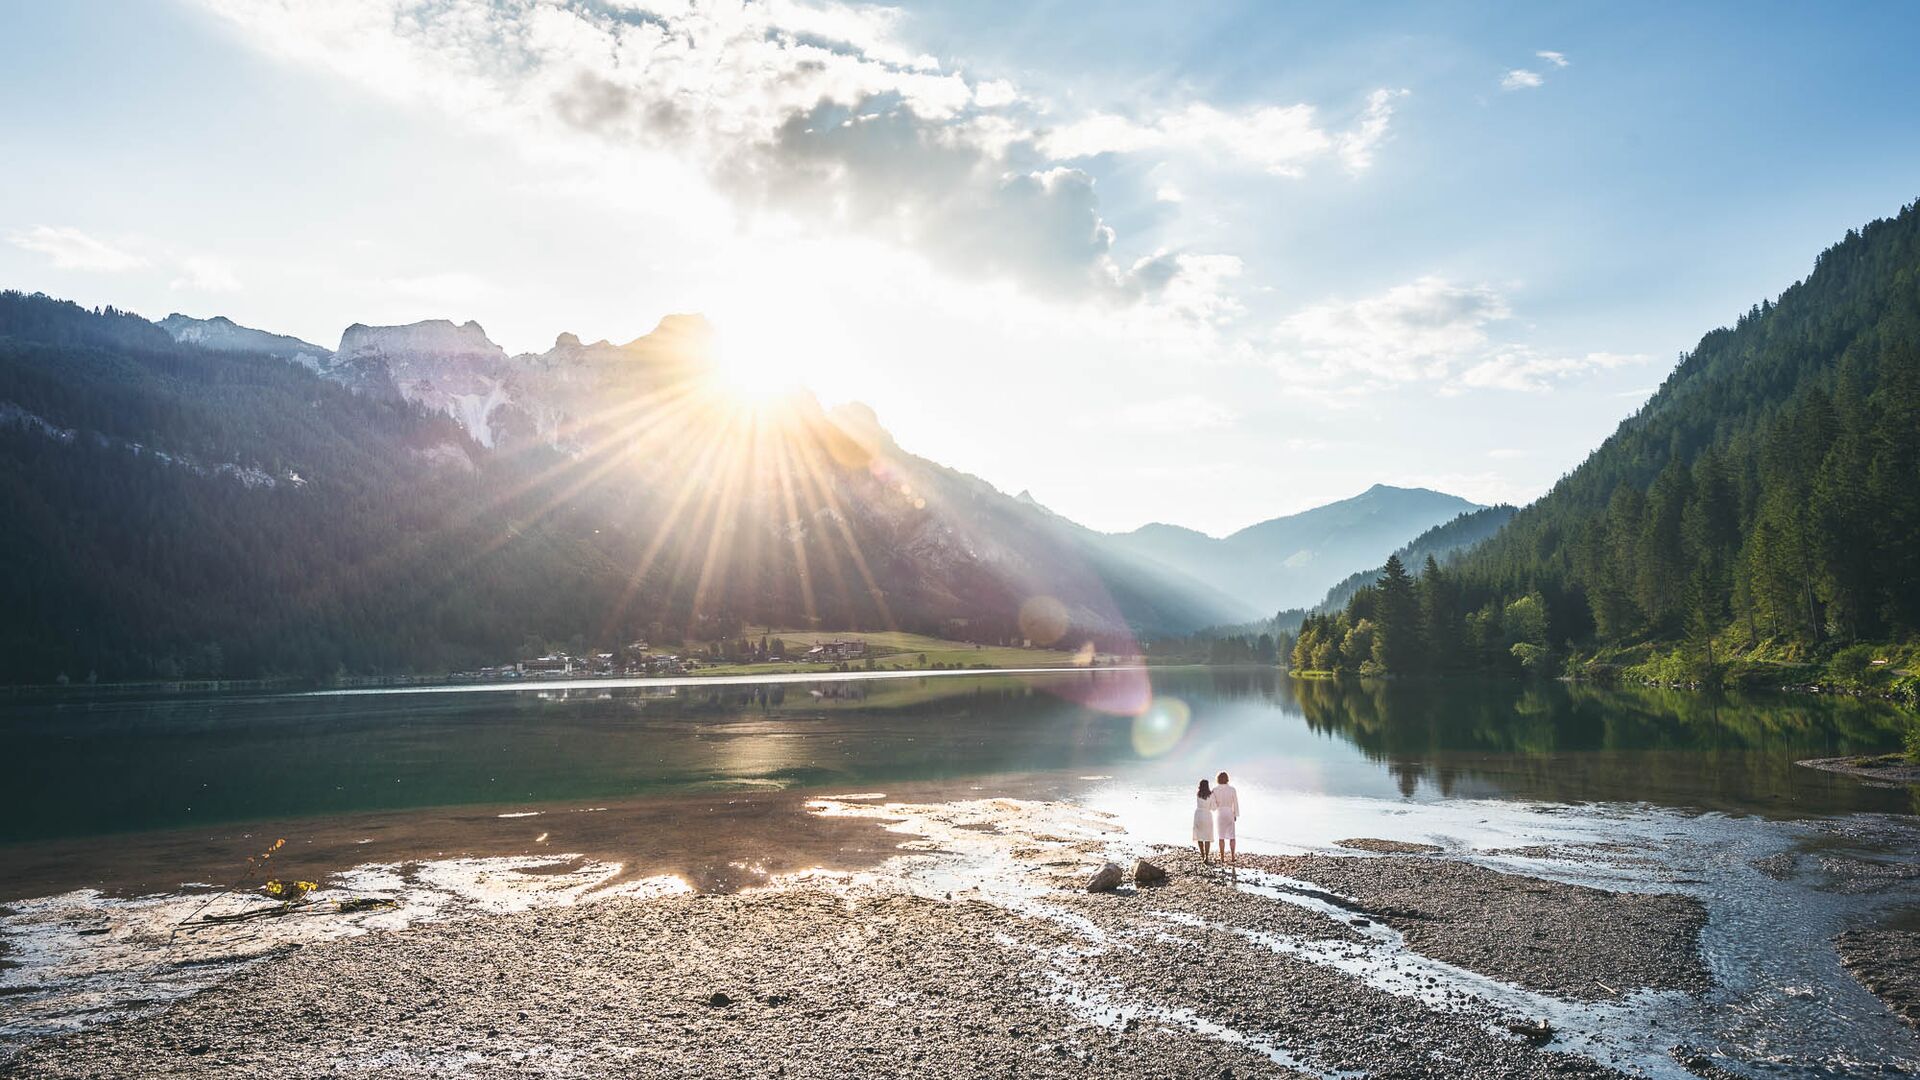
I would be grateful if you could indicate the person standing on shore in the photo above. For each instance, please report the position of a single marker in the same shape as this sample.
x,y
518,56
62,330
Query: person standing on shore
x,y
1226,811
1203,820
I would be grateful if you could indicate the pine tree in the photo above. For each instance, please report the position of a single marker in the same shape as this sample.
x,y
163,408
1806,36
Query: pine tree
x,y
1396,637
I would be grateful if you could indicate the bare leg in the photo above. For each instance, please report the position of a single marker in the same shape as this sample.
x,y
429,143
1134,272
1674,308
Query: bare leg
x,y
1234,844
1206,849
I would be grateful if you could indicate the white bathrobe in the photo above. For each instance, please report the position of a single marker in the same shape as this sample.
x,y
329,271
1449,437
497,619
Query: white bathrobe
x,y
1202,819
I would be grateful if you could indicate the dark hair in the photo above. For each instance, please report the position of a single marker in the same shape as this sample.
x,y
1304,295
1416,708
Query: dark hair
x,y
1223,778
1203,788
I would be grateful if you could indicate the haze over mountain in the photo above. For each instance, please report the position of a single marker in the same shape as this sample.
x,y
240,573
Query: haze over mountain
x,y
1442,543
1291,561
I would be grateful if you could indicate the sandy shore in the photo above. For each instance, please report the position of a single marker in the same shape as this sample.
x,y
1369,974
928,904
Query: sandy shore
x,y
975,952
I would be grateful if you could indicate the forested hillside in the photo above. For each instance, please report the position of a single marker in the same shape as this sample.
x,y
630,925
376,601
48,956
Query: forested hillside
x,y
177,511
1767,497
204,508
1444,543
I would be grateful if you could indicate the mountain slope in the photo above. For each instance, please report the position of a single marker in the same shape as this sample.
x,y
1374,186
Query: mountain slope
x,y
1292,561
222,334
1770,488
181,509
1442,543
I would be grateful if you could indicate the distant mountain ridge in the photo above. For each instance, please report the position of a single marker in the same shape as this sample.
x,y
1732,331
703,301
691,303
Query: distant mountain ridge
x,y
1292,561
418,499
514,401
181,504
1443,543
224,335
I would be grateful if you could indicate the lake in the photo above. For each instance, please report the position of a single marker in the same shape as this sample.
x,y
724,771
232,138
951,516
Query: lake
x,y
144,802
91,769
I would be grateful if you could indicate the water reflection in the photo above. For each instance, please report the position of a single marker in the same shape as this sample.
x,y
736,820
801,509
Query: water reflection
x,y
1583,743
77,770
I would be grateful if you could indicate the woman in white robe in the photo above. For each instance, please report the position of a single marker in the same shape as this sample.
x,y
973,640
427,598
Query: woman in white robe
x,y
1203,820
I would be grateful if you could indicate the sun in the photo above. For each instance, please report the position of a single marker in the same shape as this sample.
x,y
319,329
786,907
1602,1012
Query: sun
x,y
774,336
751,367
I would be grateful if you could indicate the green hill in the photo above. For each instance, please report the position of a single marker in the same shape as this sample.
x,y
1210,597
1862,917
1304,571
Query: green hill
x,y
1765,501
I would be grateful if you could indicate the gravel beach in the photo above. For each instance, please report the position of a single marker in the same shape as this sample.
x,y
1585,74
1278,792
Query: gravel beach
x,y
1024,974
1886,962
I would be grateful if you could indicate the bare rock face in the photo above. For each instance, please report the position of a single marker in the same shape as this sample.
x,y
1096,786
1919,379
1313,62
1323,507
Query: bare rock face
x,y
1146,873
1106,879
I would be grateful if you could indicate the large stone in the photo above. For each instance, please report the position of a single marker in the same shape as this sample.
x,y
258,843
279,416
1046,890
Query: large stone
x,y
1106,879
1146,873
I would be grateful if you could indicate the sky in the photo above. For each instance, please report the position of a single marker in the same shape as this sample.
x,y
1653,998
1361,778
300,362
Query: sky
x,y
1199,264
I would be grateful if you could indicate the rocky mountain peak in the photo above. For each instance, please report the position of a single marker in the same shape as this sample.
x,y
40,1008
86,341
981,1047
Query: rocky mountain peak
x,y
435,338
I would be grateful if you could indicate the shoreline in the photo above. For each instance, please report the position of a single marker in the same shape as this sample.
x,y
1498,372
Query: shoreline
x,y
1377,952
300,686
1874,770
1263,972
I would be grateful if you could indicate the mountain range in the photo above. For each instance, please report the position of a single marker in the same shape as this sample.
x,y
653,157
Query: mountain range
x,y
1292,561
199,497
507,401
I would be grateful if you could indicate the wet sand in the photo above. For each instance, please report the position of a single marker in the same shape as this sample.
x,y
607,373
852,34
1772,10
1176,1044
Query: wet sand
x,y
717,841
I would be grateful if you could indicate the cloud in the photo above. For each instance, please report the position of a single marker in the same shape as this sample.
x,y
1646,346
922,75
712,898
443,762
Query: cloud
x,y
1429,330
1185,413
793,111
1558,60
71,249
1356,144
1168,193
1279,140
1522,79
1419,330
200,273
1193,286
1520,368
454,290
995,93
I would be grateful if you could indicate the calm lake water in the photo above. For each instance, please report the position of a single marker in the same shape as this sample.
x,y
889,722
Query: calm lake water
x,y
111,812
80,770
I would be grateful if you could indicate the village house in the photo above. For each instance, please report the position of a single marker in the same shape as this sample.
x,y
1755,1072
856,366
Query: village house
x,y
831,651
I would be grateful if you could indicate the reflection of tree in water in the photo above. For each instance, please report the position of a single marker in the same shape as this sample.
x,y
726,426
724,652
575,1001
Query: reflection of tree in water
x,y
1234,684
1557,741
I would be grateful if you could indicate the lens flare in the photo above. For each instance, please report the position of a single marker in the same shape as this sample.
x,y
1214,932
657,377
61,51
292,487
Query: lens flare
x,y
1161,727
1043,620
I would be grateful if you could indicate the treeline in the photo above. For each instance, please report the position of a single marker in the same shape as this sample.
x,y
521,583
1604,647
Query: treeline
x,y
1443,543
1218,648
1766,497
1429,625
